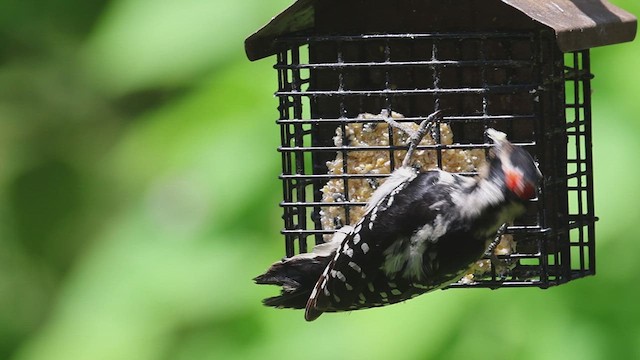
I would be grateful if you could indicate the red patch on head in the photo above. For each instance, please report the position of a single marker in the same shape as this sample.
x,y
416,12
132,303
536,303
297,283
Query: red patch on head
x,y
519,186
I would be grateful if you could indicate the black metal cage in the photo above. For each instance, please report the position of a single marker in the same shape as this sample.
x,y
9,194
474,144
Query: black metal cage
x,y
514,82
344,66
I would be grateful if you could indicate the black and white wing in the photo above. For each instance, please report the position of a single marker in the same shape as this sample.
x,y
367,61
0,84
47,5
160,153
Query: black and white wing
x,y
370,268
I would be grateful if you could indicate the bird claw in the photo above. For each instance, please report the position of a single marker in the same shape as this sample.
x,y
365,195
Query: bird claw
x,y
415,136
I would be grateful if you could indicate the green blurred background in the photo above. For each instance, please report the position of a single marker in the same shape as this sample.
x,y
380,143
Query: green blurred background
x,y
139,192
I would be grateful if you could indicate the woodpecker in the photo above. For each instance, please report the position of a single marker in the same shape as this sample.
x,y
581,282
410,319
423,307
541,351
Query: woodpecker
x,y
421,231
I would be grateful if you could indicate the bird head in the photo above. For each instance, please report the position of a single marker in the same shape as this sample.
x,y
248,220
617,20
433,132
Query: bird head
x,y
515,165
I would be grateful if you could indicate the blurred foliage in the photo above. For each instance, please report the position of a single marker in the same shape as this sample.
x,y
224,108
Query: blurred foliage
x,y
131,223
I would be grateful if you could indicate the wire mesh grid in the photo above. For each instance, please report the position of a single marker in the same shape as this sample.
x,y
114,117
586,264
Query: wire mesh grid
x,y
513,82
579,165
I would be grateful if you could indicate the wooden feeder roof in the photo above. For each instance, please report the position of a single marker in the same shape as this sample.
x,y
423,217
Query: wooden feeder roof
x,y
578,24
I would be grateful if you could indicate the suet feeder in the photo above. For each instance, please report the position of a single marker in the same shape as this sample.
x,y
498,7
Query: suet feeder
x,y
520,66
